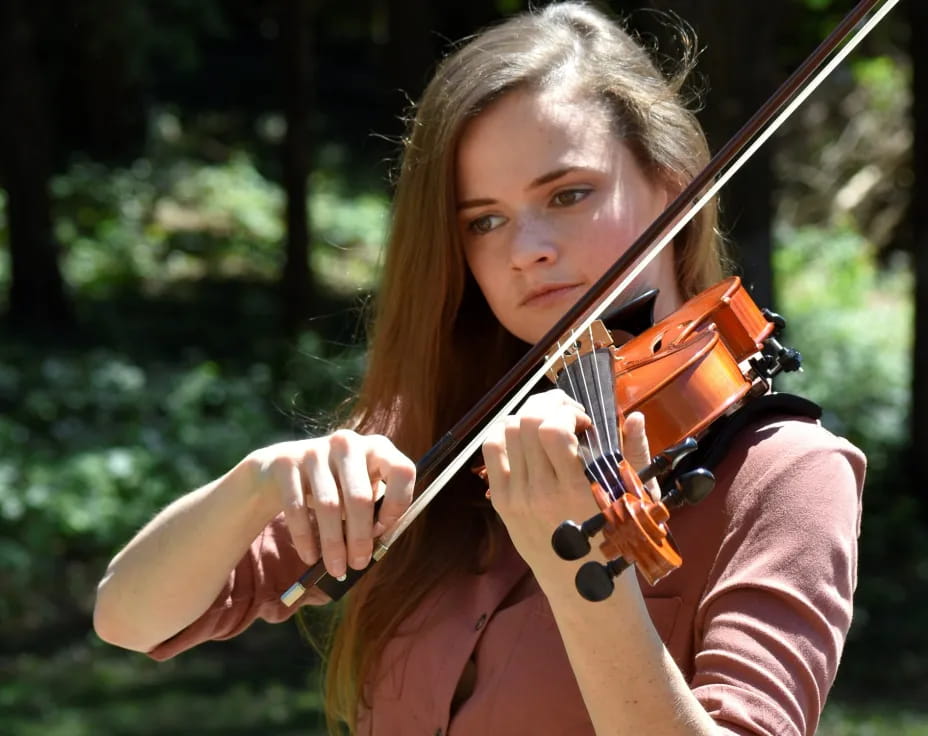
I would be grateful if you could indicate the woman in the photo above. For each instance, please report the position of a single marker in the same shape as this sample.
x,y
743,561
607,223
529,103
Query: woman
x,y
537,154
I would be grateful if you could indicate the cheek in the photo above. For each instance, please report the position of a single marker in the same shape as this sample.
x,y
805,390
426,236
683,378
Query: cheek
x,y
615,232
608,240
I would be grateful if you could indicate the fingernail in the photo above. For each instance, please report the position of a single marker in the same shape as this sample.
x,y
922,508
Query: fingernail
x,y
342,578
359,562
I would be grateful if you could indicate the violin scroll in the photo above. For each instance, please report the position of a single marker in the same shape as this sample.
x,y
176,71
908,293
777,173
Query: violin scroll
x,y
571,540
643,540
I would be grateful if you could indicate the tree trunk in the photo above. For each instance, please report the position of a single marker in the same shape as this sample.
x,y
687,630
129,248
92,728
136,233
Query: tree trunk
x,y
739,39
409,54
919,219
297,284
37,298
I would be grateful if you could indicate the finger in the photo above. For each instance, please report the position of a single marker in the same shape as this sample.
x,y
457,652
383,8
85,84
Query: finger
x,y
398,472
300,525
314,543
515,456
495,458
558,436
636,450
537,466
546,435
563,400
327,506
348,461
542,402
635,441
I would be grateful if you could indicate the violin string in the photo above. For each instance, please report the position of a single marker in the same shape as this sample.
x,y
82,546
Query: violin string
x,y
593,466
603,460
612,433
612,462
600,461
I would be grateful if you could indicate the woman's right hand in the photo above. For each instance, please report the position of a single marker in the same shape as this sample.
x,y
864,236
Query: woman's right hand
x,y
327,488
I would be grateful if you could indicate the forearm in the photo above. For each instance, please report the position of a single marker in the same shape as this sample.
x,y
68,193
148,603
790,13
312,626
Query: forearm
x,y
171,571
629,682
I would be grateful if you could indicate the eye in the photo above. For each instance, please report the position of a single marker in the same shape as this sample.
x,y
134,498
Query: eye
x,y
568,197
486,223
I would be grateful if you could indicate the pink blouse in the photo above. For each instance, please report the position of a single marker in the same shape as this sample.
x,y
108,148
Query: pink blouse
x,y
756,618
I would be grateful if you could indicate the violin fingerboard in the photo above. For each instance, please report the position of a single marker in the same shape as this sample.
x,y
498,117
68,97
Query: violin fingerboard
x,y
590,380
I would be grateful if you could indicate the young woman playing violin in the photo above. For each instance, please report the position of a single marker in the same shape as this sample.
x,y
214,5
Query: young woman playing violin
x,y
538,153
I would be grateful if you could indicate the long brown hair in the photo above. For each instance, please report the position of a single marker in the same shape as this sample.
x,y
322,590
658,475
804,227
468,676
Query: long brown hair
x,y
435,346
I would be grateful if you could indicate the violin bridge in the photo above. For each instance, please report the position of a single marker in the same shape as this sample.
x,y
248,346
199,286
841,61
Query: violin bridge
x,y
594,337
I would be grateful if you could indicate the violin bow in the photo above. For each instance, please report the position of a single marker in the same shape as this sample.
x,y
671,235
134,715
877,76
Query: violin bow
x,y
434,470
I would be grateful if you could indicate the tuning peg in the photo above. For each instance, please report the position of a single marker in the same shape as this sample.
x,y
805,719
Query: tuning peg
x,y
779,321
691,488
667,459
571,541
594,579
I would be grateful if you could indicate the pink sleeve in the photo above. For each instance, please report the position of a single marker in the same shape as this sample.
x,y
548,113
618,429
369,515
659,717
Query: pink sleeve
x,y
252,591
778,603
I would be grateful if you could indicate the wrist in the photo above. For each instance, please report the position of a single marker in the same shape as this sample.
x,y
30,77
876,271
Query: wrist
x,y
244,483
559,584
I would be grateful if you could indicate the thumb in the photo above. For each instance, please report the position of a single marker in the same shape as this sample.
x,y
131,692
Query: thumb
x,y
635,448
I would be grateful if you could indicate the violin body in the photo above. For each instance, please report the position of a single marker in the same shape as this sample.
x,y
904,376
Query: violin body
x,y
686,371
702,362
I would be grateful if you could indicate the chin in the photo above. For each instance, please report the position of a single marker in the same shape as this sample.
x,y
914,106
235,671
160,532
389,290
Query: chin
x,y
523,335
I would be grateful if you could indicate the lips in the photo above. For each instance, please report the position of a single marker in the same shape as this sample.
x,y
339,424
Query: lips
x,y
548,293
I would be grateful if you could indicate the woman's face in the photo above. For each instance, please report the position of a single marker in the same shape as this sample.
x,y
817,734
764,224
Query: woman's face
x,y
547,200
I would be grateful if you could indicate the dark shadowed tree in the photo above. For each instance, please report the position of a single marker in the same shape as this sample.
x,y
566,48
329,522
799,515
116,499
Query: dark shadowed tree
x,y
297,73
37,296
739,66
411,48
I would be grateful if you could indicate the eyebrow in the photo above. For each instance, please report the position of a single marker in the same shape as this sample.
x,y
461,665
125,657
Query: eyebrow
x,y
535,183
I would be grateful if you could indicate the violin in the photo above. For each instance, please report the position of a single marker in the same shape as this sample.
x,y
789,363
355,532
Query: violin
x,y
708,336
706,360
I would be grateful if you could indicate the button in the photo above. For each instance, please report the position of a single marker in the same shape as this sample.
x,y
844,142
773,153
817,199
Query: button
x,y
480,622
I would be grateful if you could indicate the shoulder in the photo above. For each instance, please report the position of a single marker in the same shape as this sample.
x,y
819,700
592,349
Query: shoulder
x,y
781,458
789,437
789,501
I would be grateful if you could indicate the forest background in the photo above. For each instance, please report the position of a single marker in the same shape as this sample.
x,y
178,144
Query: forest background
x,y
194,200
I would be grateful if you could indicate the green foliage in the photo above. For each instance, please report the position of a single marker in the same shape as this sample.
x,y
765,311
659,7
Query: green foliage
x,y
92,444
853,324
884,80
154,222
842,719
350,232
101,221
88,688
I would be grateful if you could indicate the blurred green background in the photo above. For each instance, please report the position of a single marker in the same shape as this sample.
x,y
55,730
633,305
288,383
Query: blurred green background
x,y
194,202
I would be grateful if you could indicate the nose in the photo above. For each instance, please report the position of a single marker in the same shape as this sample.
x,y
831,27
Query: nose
x,y
532,243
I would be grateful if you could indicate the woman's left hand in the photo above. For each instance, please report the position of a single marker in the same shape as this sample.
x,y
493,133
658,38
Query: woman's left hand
x,y
536,475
